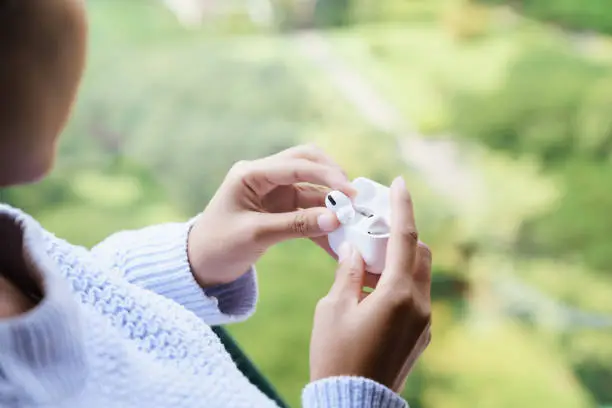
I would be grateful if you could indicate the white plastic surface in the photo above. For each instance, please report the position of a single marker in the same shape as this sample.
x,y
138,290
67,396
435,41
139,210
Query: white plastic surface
x,y
368,231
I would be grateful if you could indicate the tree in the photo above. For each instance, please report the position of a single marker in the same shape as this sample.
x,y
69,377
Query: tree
x,y
555,107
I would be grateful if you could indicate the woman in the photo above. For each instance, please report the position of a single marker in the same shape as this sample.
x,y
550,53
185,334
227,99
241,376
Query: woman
x,y
127,324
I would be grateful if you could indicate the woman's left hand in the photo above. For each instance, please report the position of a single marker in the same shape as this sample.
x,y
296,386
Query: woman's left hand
x,y
261,203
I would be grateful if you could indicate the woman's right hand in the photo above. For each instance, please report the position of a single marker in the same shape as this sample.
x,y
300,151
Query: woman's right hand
x,y
377,335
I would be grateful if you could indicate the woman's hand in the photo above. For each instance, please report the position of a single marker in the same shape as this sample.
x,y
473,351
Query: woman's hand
x,y
261,203
377,335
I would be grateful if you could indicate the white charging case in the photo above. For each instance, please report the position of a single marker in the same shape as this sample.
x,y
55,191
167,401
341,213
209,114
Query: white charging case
x,y
368,230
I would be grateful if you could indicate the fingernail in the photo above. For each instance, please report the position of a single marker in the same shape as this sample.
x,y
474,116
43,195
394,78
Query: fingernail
x,y
399,182
345,251
327,221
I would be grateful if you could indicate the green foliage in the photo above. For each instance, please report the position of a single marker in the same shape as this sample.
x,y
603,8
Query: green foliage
x,y
561,232
538,110
466,21
333,13
185,106
554,106
520,370
338,13
53,191
367,11
592,15
582,14
86,204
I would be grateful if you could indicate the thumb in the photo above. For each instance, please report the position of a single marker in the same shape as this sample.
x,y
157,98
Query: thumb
x,y
350,274
303,223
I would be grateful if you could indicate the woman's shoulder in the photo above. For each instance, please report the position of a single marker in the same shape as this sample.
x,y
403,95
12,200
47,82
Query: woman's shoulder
x,y
24,227
48,256
17,215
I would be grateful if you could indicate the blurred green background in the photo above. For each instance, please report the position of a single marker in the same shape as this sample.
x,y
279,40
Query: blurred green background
x,y
498,113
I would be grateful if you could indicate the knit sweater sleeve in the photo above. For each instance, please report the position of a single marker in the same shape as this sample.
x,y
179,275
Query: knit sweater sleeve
x,y
350,392
155,258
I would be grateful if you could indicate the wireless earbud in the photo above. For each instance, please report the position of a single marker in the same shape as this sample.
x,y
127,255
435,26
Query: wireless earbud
x,y
339,203
365,221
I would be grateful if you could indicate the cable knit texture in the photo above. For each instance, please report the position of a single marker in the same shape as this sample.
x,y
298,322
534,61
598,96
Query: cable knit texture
x,y
126,325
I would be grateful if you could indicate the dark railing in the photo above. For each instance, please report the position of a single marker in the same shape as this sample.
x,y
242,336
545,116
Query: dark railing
x,y
246,366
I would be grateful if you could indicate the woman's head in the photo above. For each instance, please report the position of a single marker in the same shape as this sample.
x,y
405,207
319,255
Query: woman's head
x,y
42,54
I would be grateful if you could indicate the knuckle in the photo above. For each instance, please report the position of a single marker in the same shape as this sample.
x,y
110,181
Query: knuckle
x,y
303,149
312,151
424,247
423,314
311,146
425,251
299,224
256,234
420,316
354,274
402,300
240,168
326,303
314,148
422,320
322,305
410,233
406,307
297,175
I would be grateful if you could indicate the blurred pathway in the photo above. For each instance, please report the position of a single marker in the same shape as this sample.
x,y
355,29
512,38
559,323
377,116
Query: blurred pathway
x,y
438,160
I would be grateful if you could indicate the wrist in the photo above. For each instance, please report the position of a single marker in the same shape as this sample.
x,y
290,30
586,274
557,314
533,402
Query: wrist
x,y
351,391
213,260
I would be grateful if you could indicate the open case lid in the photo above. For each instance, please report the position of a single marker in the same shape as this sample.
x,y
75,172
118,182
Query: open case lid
x,y
374,197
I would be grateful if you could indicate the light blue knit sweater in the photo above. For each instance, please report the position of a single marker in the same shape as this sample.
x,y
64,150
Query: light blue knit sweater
x,y
126,325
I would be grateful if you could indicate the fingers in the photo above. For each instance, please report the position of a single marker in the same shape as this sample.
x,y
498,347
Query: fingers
x,y
304,223
309,195
350,275
263,176
305,195
295,196
402,246
305,163
370,282
312,153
